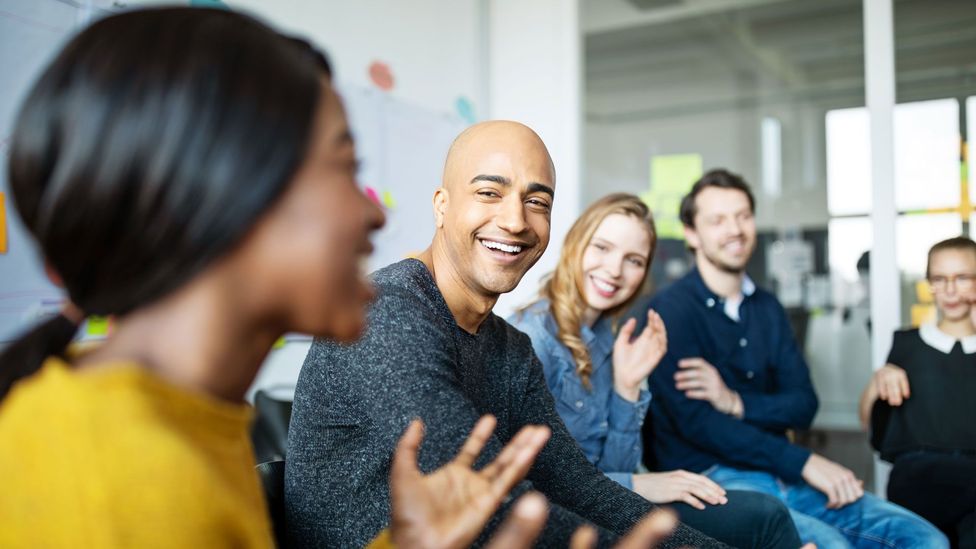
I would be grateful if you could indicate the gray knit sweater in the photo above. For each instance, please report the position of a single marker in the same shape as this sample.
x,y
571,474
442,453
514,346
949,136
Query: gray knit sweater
x,y
353,402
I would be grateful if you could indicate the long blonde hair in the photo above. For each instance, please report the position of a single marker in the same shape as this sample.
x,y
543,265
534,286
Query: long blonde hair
x,y
564,287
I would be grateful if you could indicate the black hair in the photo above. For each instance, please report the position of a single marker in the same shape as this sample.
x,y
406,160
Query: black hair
x,y
719,178
147,149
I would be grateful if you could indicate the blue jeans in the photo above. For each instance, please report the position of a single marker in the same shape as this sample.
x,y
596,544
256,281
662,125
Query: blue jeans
x,y
868,522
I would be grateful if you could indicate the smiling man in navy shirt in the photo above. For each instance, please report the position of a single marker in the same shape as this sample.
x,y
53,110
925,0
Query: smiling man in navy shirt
x,y
733,381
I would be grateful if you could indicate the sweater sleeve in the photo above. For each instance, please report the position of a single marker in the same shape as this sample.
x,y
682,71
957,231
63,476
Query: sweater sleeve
x,y
566,477
351,405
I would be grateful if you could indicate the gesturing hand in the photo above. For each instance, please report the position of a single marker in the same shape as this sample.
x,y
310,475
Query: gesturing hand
x,y
701,381
837,482
635,358
646,534
891,384
449,507
690,488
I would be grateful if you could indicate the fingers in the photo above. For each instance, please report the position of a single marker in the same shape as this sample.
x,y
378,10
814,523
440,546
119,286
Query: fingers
x,y
695,362
405,456
650,531
515,460
627,330
692,500
705,488
476,441
906,391
583,538
523,524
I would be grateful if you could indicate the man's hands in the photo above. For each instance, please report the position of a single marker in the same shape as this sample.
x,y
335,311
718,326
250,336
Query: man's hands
x,y
701,381
634,360
891,384
837,482
449,507
673,486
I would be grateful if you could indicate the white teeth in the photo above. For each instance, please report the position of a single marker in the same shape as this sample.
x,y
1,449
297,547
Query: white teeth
x,y
604,286
499,246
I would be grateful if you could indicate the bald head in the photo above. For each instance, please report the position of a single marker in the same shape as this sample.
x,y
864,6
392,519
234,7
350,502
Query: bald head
x,y
507,143
494,207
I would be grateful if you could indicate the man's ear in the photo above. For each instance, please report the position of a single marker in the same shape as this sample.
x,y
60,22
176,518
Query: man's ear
x,y
691,237
441,200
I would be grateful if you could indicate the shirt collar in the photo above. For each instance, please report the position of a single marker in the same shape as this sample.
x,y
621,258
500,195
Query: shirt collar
x,y
939,340
711,299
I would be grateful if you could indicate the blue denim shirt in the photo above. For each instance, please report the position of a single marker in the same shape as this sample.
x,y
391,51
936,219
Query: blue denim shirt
x,y
756,356
606,425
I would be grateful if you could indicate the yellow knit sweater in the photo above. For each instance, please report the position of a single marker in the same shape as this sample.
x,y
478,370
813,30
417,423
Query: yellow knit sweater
x,y
116,457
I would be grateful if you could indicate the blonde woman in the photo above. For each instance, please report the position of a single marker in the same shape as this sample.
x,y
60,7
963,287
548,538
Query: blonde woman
x,y
596,376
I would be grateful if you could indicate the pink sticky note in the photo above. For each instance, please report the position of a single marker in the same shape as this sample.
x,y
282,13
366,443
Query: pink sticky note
x,y
372,194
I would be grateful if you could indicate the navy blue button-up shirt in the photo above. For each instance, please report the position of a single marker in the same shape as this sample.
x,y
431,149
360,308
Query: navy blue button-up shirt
x,y
757,356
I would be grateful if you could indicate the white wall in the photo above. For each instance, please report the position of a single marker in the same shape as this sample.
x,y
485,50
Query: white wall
x,y
434,48
535,77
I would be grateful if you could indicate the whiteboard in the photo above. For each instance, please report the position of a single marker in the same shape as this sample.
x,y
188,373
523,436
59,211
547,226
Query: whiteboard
x,y
401,146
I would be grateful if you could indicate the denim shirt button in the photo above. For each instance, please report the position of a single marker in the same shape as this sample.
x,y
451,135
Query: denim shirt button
x,y
750,374
579,403
743,342
710,302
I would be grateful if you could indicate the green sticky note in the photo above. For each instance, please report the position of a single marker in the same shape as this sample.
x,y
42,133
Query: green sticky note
x,y
97,326
279,344
672,176
388,200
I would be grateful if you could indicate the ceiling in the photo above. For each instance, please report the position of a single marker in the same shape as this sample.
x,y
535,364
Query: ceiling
x,y
657,58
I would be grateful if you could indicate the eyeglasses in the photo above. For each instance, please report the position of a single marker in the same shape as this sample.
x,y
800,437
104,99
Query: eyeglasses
x,y
964,282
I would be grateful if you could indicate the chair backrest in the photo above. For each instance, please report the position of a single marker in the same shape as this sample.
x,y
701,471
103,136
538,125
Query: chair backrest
x,y
269,433
272,475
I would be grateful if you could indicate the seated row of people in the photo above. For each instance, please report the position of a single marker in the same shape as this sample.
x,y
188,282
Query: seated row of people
x,y
727,383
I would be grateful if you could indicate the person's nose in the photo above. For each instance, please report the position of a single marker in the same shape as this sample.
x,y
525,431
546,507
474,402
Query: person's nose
x,y
511,215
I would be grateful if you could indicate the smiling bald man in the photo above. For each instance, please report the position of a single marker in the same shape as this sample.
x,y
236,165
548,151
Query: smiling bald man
x,y
433,349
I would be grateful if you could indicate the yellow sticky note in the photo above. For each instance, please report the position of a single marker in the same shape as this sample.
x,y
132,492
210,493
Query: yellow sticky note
x,y
97,326
388,200
922,314
279,344
3,225
672,176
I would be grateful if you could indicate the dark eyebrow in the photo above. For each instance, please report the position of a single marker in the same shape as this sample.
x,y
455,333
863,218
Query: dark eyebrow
x,y
501,180
540,188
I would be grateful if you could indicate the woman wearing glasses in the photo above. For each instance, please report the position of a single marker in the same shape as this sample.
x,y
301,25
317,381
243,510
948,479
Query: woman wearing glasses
x,y
921,404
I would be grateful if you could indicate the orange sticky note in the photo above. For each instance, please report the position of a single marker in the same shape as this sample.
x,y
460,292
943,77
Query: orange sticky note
x,y
3,225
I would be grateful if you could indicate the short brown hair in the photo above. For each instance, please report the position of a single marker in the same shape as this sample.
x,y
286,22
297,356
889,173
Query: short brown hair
x,y
720,178
954,243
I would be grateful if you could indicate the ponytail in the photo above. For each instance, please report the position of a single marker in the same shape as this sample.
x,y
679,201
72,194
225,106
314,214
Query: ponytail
x,y
25,356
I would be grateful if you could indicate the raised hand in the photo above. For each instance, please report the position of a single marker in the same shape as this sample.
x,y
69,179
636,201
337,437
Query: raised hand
x,y
701,381
635,358
449,507
891,384
672,486
837,482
